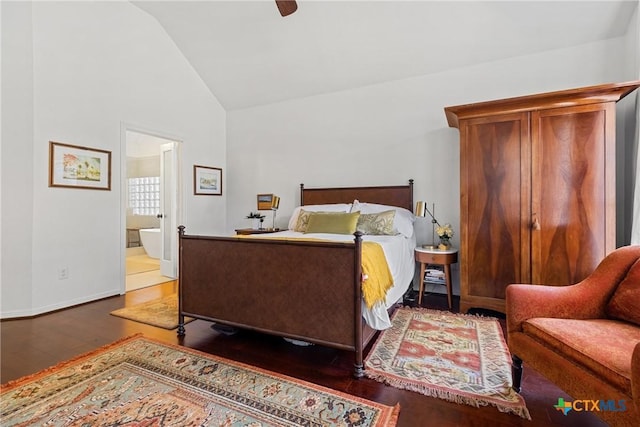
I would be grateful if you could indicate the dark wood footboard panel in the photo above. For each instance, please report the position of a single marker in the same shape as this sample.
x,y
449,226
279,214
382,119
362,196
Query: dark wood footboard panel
x,y
308,290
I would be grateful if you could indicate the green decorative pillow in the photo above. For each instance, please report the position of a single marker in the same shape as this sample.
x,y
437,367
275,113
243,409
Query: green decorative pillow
x,y
332,222
377,223
303,221
625,302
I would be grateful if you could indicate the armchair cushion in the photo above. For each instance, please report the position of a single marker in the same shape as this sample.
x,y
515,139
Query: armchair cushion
x,y
625,302
602,345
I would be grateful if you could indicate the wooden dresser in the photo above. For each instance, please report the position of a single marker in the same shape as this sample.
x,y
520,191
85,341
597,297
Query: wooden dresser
x,y
537,189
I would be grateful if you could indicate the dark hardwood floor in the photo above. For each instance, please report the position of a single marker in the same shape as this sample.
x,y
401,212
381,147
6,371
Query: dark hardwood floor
x,y
33,344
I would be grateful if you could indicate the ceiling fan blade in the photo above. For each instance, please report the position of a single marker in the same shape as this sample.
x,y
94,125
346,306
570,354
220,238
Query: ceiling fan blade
x,y
286,7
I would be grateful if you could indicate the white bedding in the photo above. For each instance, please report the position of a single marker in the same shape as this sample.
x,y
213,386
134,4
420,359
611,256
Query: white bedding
x,y
398,250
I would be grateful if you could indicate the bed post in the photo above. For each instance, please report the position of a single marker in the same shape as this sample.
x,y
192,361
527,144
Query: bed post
x,y
301,194
411,195
358,365
181,331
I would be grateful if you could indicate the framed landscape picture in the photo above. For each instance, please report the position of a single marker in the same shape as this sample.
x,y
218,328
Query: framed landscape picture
x,y
207,181
264,201
73,166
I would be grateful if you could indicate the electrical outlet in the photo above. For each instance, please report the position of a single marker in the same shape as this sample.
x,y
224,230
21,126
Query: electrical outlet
x,y
63,273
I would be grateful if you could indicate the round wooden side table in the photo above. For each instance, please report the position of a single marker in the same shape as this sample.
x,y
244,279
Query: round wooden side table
x,y
438,257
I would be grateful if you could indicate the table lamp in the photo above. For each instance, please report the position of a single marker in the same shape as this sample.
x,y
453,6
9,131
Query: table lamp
x,y
275,204
422,210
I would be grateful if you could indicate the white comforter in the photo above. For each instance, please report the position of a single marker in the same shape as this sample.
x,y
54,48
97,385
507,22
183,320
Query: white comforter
x,y
400,258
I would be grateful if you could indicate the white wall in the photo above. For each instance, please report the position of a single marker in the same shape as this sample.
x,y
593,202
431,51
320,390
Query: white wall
x,y
388,133
17,156
96,66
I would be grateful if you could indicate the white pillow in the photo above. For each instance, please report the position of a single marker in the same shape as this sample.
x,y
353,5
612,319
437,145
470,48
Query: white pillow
x,y
337,207
403,221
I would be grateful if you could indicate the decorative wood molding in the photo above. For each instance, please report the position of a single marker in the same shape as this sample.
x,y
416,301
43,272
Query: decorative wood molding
x,y
612,92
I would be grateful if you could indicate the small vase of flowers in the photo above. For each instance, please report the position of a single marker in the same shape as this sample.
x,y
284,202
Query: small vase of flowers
x,y
257,218
445,232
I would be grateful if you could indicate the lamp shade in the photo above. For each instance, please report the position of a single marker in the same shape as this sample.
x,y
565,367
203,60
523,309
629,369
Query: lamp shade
x,y
421,209
275,202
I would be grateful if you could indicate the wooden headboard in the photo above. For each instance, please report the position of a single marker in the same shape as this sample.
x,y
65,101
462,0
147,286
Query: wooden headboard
x,y
392,195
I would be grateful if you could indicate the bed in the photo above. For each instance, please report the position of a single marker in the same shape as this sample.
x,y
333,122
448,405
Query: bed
x,y
305,289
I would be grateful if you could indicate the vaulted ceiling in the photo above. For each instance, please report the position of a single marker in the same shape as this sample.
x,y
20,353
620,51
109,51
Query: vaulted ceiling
x,y
249,55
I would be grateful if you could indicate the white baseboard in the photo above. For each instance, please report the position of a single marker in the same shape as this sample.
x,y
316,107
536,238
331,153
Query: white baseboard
x,y
35,311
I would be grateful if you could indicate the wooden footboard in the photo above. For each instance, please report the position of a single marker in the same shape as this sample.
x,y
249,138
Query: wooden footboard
x,y
306,290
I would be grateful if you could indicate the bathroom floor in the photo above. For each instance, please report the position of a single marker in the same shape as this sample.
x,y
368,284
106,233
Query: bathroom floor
x,y
142,270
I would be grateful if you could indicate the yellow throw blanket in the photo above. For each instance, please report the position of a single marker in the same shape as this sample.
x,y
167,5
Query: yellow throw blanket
x,y
376,276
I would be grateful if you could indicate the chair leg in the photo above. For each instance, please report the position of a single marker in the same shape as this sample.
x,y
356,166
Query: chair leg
x,y
516,373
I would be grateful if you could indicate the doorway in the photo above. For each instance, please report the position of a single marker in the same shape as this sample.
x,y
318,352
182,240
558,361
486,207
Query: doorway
x,y
150,207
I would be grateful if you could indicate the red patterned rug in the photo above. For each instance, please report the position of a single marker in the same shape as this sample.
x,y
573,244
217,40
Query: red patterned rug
x,y
455,357
142,382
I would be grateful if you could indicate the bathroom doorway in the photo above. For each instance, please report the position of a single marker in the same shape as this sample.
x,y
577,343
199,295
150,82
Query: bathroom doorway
x,y
151,209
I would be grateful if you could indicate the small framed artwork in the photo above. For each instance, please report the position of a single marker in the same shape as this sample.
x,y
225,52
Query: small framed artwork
x,y
73,166
207,181
265,201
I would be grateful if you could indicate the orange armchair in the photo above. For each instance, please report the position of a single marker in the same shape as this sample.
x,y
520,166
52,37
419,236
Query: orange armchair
x,y
584,337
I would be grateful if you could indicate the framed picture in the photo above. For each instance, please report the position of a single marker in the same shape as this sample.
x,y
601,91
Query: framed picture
x,y
264,201
73,166
207,181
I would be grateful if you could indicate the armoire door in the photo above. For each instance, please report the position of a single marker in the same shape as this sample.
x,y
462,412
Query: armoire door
x,y
495,207
573,191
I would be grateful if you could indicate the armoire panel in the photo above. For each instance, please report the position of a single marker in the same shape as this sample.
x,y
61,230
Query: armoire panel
x,y
493,245
569,184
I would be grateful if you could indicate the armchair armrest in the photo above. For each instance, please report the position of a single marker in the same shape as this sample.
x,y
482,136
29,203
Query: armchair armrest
x,y
525,302
584,300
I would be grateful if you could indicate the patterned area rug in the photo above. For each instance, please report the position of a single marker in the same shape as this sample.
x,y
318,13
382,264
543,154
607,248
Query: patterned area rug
x,y
142,382
162,312
455,357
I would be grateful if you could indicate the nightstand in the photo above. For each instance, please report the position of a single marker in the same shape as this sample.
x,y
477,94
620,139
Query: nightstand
x,y
245,231
444,258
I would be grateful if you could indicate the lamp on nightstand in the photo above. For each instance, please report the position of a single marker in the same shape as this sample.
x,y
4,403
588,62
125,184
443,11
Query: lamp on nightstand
x,y
422,210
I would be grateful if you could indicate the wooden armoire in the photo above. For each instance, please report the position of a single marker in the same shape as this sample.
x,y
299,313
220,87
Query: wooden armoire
x,y
537,189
